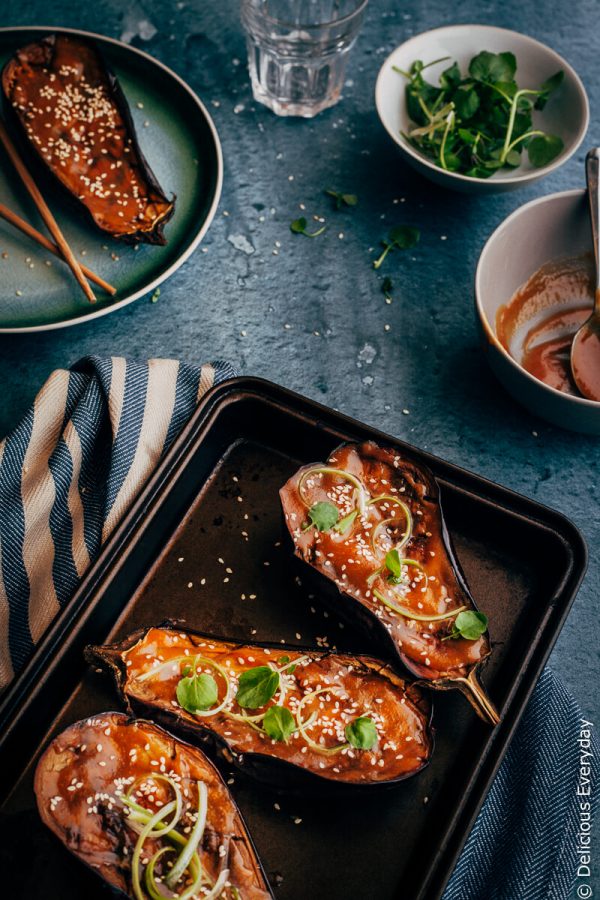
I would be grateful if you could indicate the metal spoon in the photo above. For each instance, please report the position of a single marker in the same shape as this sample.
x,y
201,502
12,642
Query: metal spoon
x,y
585,350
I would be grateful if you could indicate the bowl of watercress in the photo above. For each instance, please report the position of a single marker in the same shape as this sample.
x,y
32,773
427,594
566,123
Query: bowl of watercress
x,y
481,109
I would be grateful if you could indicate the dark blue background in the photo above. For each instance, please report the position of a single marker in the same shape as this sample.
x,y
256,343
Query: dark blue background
x,y
312,315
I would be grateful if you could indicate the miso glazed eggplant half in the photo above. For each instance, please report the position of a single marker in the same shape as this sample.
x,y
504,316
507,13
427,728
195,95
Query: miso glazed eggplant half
x,y
70,110
148,813
369,524
289,717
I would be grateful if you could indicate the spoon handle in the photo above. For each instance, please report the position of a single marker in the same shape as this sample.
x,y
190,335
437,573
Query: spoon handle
x,y
592,170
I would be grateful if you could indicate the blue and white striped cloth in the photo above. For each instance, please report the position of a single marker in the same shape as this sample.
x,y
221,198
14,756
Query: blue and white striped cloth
x,y
72,468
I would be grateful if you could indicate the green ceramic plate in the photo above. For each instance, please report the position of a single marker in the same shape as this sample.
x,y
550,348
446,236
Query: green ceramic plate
x,y
181,144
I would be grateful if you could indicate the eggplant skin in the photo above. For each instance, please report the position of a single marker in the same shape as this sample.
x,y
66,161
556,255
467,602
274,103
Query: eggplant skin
x,y
342,566
402,711
72,112
78,800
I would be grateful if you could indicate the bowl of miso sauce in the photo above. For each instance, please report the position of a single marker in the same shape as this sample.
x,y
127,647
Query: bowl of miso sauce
x,y
533,289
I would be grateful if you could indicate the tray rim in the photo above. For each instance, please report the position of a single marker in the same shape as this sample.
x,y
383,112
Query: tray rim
x,y
217,190
65,627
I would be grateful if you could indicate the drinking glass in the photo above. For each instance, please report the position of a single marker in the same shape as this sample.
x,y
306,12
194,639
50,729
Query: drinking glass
x,y
297,51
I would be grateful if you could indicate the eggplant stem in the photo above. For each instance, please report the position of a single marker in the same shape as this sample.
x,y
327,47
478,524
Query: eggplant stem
x,y
475,692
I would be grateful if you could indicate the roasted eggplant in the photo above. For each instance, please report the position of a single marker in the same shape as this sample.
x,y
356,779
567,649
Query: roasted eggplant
x,y
74,115
143,809
286,716
370,523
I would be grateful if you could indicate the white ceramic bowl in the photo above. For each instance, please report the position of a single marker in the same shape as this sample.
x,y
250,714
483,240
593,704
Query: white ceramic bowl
x,y
548,228
566,113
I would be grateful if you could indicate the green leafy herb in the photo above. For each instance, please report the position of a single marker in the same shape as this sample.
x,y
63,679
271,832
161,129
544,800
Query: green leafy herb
x,y
289,667
323,516
279,723
393,564
342,199
155,296
361,733
342,525
256,687
197,692
403,237
387,286
298,226
469,624
482,122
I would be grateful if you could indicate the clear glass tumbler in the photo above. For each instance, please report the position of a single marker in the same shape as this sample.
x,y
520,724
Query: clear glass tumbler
x,y
297,51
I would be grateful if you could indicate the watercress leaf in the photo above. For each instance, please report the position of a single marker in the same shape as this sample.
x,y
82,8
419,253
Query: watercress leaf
x,y
452,162
467,136
413,107
256,687
298,226
323,515
549,86
466,102
279,723
283,660
350,199
492,67
361,733
197,692
543,148
404,236
513,158
450,77
509,88
470,624
393,563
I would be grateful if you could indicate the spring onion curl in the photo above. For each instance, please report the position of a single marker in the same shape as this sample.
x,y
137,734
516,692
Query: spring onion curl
x,y
361,493
140,812
303,725
409,523
419,617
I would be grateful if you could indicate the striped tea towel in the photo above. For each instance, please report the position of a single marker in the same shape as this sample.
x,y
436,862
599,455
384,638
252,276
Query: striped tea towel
x,y
71,469
69,472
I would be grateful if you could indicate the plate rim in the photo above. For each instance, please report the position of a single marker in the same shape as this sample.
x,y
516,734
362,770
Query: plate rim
x,y
119,304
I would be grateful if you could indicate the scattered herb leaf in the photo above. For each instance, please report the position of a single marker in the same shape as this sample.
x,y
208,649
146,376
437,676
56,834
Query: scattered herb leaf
x,y
361,733
342,525
479,123
197,692
342,199
469,624
298,226
155,296
393,564
256,687
323,516
402,237
290,667
279,723
387,286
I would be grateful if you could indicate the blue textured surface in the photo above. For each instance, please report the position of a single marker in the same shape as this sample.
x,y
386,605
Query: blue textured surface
x,y
310,314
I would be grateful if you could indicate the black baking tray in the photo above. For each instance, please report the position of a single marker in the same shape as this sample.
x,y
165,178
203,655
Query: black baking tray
x,y
215,497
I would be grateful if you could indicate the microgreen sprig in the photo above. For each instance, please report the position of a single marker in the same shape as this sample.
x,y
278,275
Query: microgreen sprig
x,y
322,516
341,199
299,226
402,237
470,624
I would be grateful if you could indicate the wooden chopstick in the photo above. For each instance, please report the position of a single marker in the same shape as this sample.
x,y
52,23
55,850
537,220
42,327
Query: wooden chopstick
x,y
45,213
30,231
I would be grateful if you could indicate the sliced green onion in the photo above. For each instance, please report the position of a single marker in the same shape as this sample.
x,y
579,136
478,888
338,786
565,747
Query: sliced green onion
x,y
194,839
165,665
148,828
419,617
302,726
340,473
149,877
218,887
